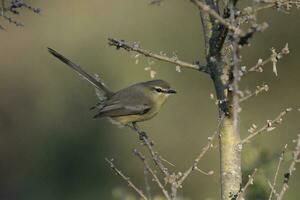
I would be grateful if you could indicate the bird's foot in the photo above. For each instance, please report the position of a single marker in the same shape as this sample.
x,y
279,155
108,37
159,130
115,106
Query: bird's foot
x,y
142,135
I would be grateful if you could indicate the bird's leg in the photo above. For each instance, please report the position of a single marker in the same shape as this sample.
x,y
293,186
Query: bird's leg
x,y
137,129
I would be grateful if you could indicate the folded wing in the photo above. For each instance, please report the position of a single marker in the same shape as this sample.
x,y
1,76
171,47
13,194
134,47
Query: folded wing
x,y
119,110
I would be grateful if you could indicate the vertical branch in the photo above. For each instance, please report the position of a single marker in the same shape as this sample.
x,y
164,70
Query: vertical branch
x,y
3,5
174,191
230,147
225,79
206,24
2,10
230,153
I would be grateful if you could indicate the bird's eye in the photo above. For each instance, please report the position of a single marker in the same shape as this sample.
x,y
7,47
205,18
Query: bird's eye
x,y
158,90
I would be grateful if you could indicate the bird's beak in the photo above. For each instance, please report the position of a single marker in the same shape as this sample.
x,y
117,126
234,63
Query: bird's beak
x,y
171,91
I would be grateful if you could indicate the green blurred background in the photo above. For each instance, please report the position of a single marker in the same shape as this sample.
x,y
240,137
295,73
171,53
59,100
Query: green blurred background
x,y
51,148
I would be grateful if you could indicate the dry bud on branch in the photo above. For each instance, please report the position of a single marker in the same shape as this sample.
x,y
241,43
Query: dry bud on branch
x,y
121,44
269,126
248,94
273,59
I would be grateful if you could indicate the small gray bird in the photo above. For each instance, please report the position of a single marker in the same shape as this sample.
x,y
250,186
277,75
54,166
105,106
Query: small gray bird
x,y
138,102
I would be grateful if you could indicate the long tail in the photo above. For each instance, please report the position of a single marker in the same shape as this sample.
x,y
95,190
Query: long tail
x,y
81,72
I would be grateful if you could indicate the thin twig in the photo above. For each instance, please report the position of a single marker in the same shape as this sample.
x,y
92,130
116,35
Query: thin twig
x,y
155,157
277,171
269,126
200,156
259,90
242,191
255,28
292,168
257,67
127,179
272,188
135,47
11,20
155,2
148,168
166,161
204,172
273,58
174,191
197,160
13,8
262,7
147,185
284,6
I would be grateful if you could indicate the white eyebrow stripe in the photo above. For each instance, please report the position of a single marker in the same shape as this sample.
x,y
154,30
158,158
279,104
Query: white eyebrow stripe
x,y
162,89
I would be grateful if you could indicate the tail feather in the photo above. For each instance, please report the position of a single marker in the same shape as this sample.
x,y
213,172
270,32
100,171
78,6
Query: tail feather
x,y
98,105
97,115
81,72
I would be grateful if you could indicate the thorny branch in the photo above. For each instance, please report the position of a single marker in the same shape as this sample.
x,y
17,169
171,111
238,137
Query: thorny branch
x,y
269,126
121,44
127,179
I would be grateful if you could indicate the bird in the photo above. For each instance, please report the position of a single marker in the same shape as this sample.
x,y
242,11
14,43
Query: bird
x,y
135,103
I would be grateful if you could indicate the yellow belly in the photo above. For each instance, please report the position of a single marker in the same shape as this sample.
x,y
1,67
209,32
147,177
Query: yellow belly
x,y
133,118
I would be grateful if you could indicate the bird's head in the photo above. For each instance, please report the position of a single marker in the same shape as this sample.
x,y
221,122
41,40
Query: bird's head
x,y
158,90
